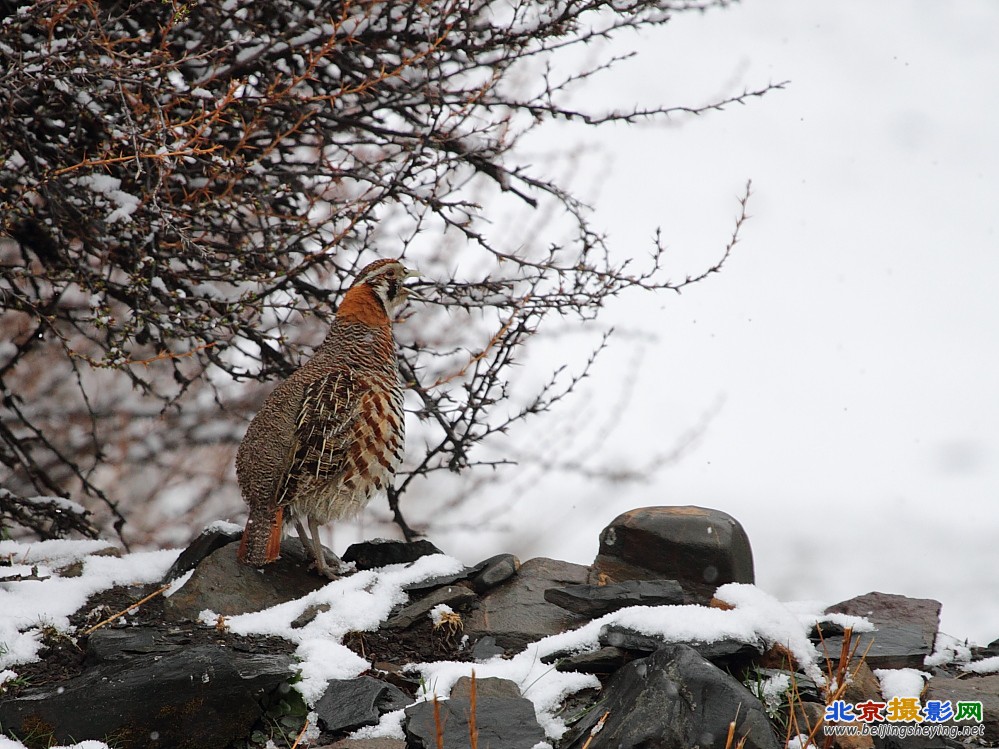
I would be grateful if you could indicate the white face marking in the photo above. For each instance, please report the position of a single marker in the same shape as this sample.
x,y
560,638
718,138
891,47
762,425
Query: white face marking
x,y
387,283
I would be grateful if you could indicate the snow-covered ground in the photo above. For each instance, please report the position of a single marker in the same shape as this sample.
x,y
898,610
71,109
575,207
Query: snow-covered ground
x,y
361,601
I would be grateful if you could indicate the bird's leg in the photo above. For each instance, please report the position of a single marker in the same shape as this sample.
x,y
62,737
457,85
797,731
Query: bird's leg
x,y
303,536
317,549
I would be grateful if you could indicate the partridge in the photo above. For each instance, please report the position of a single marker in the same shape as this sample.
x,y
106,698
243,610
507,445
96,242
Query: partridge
x,y
330,437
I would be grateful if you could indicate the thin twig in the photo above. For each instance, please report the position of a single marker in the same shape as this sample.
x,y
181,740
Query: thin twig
x,y
301,733
473,731
126,610
596,729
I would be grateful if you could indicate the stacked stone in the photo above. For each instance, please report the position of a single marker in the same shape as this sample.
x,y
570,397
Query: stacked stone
x,y
654,694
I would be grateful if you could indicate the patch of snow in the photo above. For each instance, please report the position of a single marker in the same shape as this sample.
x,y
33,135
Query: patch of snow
x,y
53,553
110,187
756,616
772,691
800,742
856,623
61,502
984,666
358,603
389,727
15,161
177,584
947,649
28,605
901,682
223,526
176,79
8,743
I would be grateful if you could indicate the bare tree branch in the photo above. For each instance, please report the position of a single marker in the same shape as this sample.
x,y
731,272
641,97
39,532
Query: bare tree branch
x,y
186,188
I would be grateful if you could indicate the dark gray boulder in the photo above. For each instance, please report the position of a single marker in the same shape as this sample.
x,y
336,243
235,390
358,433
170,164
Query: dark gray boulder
x,y
699,548
369,555
227,587
674,699
604,660
185,698
596,600
494,571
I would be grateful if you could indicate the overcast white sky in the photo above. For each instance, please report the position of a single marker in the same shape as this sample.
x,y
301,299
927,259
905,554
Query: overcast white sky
x,y
853,339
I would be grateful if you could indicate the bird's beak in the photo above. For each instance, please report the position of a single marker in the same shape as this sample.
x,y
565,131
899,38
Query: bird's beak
x,y
410,288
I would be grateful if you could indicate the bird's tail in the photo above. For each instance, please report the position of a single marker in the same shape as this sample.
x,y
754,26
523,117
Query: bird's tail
x,y
261,542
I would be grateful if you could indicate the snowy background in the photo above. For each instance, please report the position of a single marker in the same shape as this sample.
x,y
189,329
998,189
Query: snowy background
x,y
847,358
846,361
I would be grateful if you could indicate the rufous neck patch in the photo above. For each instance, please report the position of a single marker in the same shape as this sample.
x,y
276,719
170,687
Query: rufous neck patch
x,y
361,304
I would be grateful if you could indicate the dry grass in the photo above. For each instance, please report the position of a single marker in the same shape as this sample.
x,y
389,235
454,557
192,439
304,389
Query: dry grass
x,y
473,731
838,678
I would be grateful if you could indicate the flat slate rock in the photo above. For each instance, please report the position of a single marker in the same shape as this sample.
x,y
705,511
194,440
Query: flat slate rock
x,y
604,660
516,613
494,571
719,651
483,576
455,596
596,600
490,686
369,555
151,700
906,629
108,645
674,699
349,704
501,722
699,548
984,689
485,648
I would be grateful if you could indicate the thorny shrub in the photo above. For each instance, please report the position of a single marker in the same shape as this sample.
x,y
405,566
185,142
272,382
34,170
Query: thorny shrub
x,y
187,187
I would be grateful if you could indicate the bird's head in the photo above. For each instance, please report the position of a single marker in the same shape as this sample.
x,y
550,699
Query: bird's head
x,y
380,282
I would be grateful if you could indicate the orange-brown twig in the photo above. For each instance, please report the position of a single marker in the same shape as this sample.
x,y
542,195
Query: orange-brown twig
x,y
125,611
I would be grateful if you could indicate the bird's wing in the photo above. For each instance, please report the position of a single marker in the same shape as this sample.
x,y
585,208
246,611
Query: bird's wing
x,y
326,417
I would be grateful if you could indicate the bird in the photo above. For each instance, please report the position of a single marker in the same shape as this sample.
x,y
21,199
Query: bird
x,y
330,437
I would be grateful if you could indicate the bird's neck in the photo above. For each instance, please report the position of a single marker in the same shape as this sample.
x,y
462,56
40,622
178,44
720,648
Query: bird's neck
x,y
361,305
355,342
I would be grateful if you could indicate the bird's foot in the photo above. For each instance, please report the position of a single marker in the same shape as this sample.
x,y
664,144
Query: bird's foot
x,y
323,566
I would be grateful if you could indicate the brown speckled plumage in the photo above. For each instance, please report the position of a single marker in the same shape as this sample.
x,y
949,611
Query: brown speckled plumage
x,y
330,437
